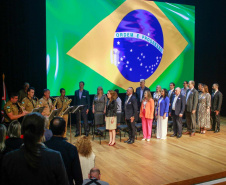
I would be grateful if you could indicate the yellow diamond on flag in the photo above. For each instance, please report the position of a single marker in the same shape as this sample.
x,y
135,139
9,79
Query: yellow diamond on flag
x,y
95,49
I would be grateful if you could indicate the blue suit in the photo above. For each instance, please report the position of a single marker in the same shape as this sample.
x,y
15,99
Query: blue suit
x,y
164,106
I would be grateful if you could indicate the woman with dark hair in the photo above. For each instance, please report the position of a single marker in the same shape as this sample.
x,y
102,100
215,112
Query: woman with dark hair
x,y
111,117
33,163
14,141
162,115
203,109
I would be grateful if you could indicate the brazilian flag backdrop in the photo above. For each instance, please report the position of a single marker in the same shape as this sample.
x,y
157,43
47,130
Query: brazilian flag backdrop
x,y
115,43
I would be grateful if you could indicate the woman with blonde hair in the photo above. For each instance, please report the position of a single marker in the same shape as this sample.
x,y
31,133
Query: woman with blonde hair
x,y
111,116
3,131
147,115
14,141
86,155
99,101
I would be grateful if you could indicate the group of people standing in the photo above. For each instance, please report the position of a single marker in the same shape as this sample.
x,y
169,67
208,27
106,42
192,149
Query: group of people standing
x,y
197,107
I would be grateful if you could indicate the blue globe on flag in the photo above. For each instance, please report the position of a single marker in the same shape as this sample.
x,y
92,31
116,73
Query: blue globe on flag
x,y
138,45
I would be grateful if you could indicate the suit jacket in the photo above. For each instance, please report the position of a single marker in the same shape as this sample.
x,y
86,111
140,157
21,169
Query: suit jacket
x,y
131,107
179,105
51,170
171,95
85,99
192,100
70,157
216,101
138,94
164,106
111,109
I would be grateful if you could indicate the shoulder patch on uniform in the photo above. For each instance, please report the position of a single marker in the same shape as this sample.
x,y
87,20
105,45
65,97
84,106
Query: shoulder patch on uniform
x,y
8,107
22,102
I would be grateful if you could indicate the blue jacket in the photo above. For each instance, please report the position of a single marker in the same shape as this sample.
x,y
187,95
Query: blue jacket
x,y
164,106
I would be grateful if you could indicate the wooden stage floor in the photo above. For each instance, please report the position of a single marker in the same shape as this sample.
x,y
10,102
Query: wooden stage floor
x,y
163,161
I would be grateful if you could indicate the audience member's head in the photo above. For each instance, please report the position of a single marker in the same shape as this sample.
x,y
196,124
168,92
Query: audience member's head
x,y
57,125
84,146
164,93
2,137
14,129
33,129
94,173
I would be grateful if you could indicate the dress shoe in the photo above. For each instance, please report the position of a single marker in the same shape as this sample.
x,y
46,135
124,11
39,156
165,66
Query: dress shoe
x,y
112,144
76,135
173,135
127,141
192,134
179,136
130,142
148,139
186,132
143,139
216,131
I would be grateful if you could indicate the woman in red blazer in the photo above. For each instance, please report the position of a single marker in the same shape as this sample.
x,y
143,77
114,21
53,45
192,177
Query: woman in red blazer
x,y
147,115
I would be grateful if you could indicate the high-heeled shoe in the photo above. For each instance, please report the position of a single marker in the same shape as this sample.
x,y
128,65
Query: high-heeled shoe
x,y
113,144
109,144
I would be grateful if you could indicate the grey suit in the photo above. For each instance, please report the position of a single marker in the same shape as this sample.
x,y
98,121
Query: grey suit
x,y
191,104
130,111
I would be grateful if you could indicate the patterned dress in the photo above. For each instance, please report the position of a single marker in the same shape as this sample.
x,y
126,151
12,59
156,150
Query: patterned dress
x,y
203,112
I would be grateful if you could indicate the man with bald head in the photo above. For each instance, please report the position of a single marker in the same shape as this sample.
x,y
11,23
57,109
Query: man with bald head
x,y
94,178
140,92
177,111
68,151
130,114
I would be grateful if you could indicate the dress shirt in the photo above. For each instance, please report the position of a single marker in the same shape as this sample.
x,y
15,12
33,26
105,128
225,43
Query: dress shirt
x,y
141,94
170,92
184,90
128,98
188,95
80,94
174,102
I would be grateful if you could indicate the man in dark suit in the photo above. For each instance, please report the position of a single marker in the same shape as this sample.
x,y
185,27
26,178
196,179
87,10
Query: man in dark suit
x,y
216,102
82,98
140,92
177,111
130,114
190,108
171,94
68,151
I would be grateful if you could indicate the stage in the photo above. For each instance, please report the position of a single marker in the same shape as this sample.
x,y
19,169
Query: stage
x,y
179,161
